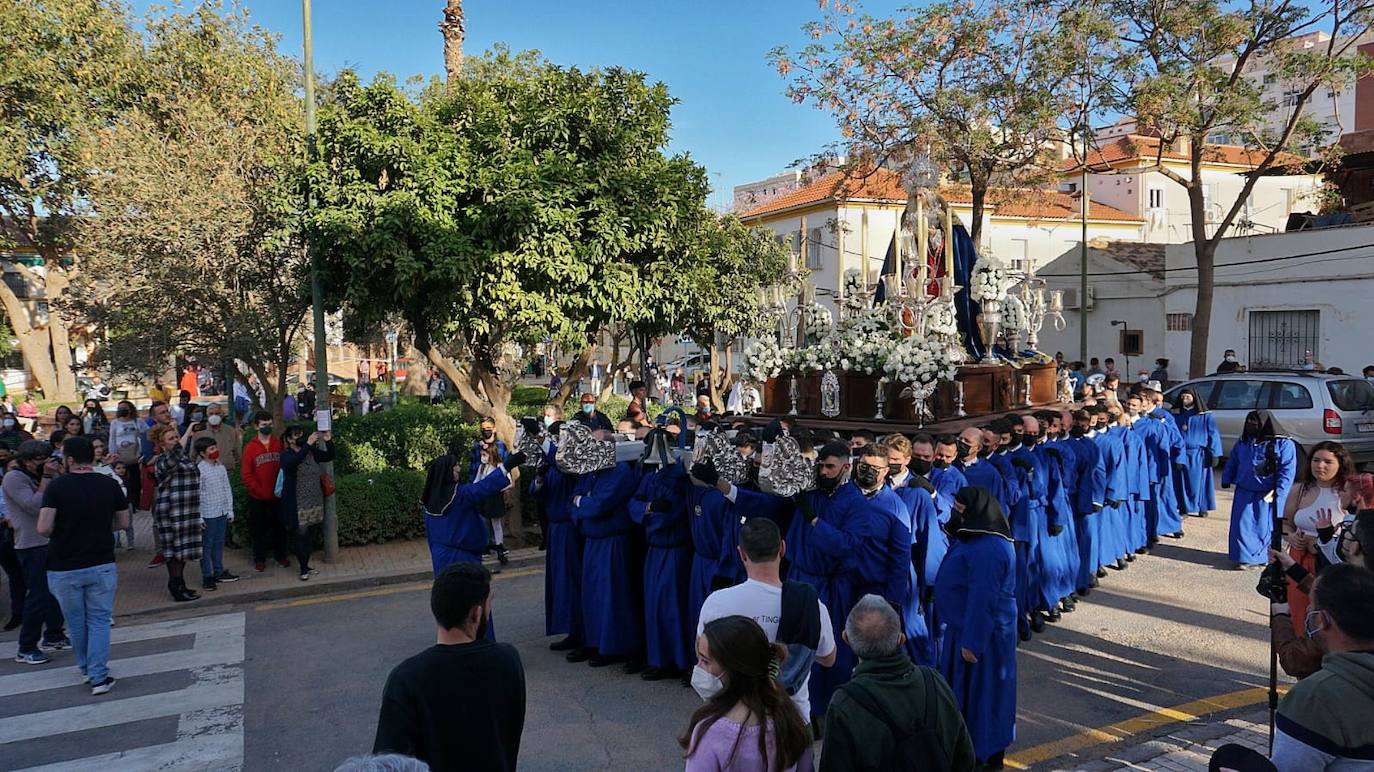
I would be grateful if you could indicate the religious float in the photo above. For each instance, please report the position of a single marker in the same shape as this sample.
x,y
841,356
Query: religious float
x,y
944,337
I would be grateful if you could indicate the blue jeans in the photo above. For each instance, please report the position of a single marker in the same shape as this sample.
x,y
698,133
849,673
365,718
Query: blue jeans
x,y
212,547
87,599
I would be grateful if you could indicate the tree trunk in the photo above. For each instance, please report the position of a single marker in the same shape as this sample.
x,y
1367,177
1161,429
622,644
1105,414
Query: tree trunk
x,y
452,30
978,192
717,405
576,369
617,338
55,285
486,394
32,343
1205,252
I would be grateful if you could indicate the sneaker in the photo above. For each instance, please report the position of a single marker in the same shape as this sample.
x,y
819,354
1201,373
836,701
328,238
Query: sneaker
x,y
208,583
103,686
32,658
305,576
259,566
63,643
157,560
283,562
225,576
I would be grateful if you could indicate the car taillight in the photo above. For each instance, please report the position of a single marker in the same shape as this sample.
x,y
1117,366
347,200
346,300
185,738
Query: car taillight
x,y
1331,421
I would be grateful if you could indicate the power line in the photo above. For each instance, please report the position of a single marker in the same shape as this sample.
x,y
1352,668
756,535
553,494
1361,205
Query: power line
x,y
1226,265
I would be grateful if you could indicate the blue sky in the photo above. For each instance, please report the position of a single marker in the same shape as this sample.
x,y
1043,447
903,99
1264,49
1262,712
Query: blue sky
x,y
733,117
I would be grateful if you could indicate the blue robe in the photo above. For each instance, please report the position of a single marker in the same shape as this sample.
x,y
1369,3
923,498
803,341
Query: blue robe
x,y
460,533
1116,494
1059,552
947,481
748,503
909,513
827,556
1167,518
1201,448
1028,526
709,514
1138,477
562,553
1011,487
975,597
1088,503
668,641
611,603
984,474
1252,518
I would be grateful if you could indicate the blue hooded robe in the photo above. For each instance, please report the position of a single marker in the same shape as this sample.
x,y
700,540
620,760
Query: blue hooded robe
x,y
611,604
1252,517
1201,448
562,551
660,505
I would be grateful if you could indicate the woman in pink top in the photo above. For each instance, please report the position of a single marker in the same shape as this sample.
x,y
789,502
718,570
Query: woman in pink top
x,y
748,723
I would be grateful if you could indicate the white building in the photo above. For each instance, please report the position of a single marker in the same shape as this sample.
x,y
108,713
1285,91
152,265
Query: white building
x,y
1125,316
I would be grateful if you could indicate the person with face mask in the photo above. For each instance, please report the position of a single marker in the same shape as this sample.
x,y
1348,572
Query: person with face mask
x,y
1114,531
227,437
976,599
23,488
968,447
659,505
923,463
487,453
302,490
747,722
176,510
552,489
929,541
1229,363
216,512
612,614
1028,524
1140,466
259,467
94,422
455,521
833,530
1000,442
1201,448
1262,467
419,715
1087,498
1059,545
11,435
589,416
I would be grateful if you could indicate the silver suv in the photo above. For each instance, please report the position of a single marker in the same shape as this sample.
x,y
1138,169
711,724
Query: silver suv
x,y
1307,406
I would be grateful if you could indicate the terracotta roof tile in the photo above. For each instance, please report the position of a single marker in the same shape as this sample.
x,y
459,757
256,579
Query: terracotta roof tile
x,y
885,185
1139,147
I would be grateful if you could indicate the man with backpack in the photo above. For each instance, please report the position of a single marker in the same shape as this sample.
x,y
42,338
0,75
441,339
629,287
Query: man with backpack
x,y
892,715
790,613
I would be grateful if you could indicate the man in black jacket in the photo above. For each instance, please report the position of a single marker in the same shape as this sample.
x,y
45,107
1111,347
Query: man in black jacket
x,y
459,704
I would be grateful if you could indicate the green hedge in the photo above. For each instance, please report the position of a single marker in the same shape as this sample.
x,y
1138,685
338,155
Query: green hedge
x,y
380,507
407,437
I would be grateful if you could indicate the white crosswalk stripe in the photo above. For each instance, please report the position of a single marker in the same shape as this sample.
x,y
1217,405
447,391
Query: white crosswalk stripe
x,y
208,710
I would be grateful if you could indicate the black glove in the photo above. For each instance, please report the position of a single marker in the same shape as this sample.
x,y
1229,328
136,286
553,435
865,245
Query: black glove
x,y
1022,463
661,505
919,481
706,473
1113,503
1225,486
803,503
513,460
1055,530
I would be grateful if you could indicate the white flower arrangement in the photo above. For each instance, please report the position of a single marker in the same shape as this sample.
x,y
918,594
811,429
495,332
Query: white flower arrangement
x,y
811,359
852,286
864,351
1014,314
988,281
763,359
817,321
868,321
941,321
921,361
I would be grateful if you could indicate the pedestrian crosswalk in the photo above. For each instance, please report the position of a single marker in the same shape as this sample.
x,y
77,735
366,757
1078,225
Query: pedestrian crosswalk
x,y
178,704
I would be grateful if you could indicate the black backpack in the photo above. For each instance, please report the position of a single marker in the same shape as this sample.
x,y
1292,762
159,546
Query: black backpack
x,y
916,746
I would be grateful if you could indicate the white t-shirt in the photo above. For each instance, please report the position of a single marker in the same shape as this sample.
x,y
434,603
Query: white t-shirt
x,y
763,604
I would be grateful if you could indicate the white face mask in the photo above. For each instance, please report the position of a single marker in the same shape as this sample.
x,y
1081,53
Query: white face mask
x,y
215,420
705,684
1231,358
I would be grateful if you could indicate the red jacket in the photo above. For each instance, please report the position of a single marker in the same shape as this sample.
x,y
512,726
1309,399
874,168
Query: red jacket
x,y
259,468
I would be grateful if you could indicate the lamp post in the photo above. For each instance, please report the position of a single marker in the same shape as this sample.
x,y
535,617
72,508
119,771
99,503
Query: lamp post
x,y
322,417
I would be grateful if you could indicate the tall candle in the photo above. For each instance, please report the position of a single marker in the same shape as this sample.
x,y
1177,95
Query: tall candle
x,y
949,241
922,239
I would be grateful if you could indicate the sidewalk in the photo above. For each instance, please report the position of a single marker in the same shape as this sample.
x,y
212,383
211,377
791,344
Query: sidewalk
x,y
143,590
1188,749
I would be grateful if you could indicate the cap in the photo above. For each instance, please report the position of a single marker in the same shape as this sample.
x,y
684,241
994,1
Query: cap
x,y
33,449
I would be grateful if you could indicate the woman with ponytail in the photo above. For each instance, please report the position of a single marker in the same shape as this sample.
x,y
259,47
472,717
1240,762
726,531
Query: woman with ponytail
x,y
748,723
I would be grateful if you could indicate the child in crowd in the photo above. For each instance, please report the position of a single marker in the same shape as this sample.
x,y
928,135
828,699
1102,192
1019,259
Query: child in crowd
x,y
216,512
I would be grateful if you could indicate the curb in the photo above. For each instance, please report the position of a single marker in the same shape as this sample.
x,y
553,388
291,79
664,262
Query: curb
x,y
523,559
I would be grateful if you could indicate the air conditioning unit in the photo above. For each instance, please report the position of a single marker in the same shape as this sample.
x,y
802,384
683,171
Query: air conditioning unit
x,y
1071,298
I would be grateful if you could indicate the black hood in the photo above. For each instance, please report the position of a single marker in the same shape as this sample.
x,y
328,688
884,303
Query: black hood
x,y
982,514
1265,421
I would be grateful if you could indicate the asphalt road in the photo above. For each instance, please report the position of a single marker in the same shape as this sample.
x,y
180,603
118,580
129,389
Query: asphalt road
x,y
1174,629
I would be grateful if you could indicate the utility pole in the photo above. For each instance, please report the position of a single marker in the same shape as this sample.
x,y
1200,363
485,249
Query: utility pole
x,y
331,515
1083,264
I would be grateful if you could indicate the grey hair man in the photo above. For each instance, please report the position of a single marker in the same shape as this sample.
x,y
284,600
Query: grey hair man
x,y
917,724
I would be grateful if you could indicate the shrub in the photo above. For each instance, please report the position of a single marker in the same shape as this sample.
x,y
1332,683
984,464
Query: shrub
x,y
379,507
407,437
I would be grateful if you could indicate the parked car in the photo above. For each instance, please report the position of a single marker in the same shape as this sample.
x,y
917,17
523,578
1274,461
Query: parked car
x,y
1307,406
691,364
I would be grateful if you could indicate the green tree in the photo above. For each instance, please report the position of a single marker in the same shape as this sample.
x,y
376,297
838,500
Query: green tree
x,y
1182,70
193,245
981,84
523,202
64,70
